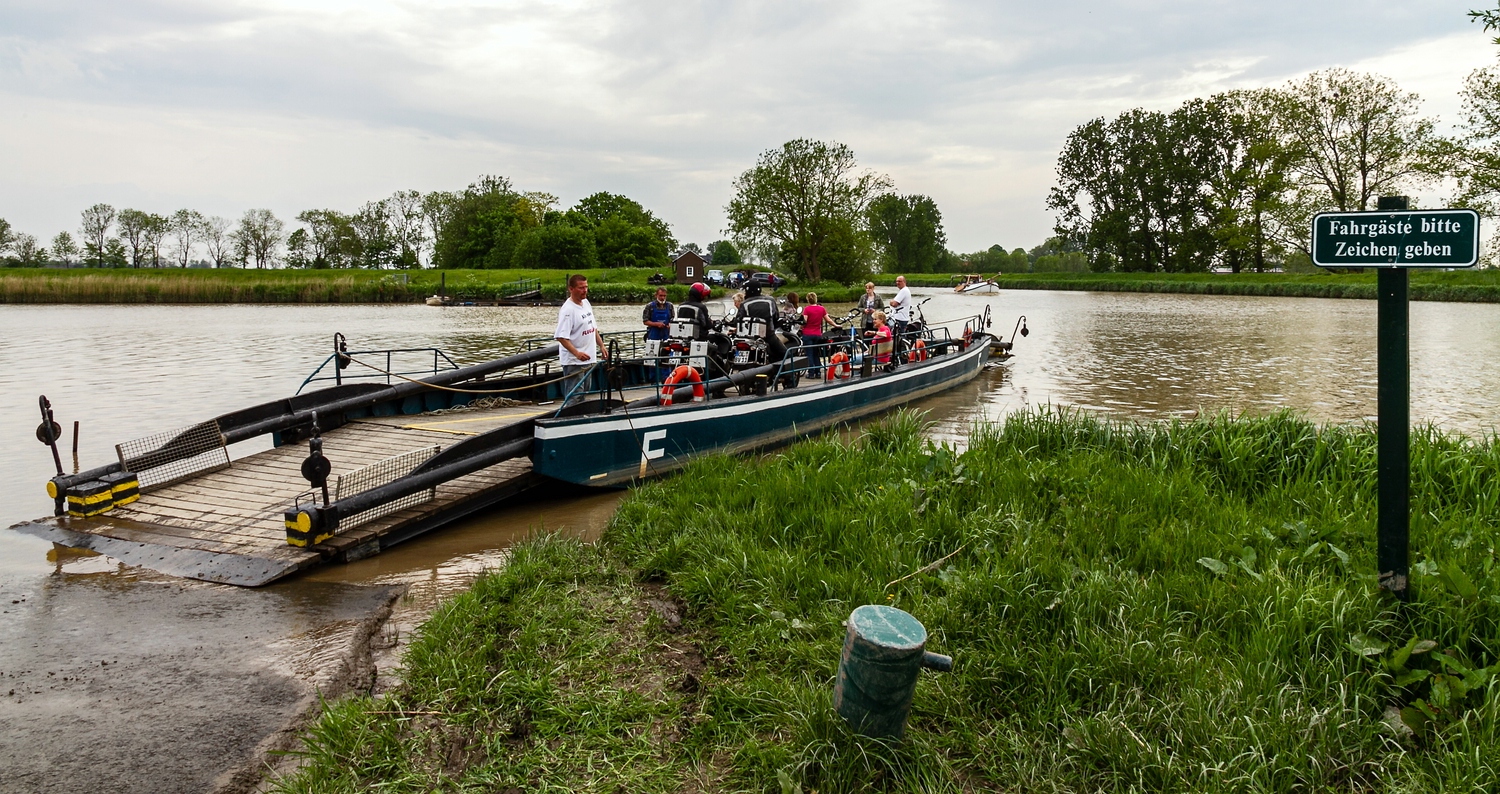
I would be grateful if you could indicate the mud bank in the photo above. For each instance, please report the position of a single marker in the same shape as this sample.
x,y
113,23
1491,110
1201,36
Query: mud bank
x,y
132,682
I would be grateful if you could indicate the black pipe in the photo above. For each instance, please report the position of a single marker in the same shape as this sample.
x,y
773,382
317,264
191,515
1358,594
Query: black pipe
x,y
327,518
716,385
395,392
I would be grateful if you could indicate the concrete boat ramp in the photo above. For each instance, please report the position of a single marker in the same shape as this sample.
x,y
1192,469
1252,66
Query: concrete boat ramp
x,y
402,458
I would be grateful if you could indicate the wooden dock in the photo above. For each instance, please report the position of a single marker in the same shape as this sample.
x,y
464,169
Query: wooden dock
x,y
227,525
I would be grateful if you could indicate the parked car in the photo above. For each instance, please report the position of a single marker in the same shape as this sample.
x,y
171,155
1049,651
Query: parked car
x,y
767,280
715,278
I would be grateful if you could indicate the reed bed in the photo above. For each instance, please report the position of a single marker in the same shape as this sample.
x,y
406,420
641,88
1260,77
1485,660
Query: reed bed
x,y
1132,607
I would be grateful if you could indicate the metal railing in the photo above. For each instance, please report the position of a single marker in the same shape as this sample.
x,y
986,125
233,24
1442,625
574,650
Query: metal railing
x,y
936,338
434,361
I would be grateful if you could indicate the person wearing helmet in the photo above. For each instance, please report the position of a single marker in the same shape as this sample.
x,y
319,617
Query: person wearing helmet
x,y
763,307
693,311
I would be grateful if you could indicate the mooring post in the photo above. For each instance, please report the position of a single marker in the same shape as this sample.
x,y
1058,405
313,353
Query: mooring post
x,y
884,650
1393,430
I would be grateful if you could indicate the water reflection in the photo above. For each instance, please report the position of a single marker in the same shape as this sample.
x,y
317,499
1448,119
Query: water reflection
x,y
1160,356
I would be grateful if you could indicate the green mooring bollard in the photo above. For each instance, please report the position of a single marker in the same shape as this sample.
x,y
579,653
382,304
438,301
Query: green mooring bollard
x,y
883,653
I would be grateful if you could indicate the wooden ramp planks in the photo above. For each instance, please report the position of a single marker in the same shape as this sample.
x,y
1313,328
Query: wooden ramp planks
x,y
227,526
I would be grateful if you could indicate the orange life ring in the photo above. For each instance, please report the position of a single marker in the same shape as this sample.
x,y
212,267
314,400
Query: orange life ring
x,y
919,351
683,375
834,361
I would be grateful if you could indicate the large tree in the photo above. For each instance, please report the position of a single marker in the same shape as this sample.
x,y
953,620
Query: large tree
x,y
259,237
132,230
800,196
64,249
556,245
408,227
187,231
909,232
216,239
626,234
7,236
94,230
484,223
1357,136
29,252
153,233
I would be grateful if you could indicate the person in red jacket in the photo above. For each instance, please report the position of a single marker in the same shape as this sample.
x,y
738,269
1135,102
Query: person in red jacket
x,y
813,317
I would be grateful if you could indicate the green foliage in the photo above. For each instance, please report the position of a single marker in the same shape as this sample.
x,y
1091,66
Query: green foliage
x,y
908,230
846,256
1072,262
557,246
723,253
799,196
483,226
622,244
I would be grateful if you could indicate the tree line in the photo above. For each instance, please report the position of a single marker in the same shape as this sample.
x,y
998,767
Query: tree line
x,y
489,224
1232,181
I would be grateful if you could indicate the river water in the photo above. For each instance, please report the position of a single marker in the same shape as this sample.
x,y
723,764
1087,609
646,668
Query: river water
x,y
127,371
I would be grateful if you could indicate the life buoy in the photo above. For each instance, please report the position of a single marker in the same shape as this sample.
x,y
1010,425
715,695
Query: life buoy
x,y
919,351
833,366
968,337
682,376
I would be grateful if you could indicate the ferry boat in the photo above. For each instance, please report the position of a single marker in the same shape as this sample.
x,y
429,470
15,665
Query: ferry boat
x,y
621,445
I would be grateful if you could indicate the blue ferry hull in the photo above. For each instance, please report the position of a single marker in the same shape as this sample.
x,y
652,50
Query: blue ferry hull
x,y
622,447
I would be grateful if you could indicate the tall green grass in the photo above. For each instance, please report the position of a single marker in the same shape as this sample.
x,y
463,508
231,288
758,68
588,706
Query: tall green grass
x,y
177,285
1186,607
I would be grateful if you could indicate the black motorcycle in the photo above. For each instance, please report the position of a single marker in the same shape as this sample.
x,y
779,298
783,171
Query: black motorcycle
x,y
656,279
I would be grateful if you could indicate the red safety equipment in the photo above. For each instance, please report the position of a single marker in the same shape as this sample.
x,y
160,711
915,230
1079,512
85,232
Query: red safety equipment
x,y
918,351
833,365
682,376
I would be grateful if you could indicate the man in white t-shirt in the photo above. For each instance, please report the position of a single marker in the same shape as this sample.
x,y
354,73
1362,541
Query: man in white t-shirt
x,y
578,338
900,314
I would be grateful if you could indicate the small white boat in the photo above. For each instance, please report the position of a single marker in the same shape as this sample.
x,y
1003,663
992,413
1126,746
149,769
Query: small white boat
x,y
975,282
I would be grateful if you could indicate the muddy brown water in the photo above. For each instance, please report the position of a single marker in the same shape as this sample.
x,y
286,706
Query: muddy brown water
x,y
119,679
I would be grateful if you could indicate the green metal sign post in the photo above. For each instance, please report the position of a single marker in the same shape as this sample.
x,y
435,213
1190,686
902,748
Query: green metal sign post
x,y
1394,240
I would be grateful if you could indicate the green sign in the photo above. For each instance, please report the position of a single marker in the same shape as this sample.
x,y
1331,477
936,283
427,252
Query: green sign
x,y
1423,238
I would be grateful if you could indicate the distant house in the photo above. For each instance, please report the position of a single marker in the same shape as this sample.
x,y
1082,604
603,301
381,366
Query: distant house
x,y
691,266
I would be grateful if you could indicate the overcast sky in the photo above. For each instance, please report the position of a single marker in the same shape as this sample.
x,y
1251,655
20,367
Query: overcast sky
x,y
222,106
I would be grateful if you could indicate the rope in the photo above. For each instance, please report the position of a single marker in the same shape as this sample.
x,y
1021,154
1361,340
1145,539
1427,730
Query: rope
x,y
455,389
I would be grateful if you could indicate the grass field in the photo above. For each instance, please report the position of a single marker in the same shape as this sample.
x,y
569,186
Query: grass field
x,y
1174,607
1474,286
195,285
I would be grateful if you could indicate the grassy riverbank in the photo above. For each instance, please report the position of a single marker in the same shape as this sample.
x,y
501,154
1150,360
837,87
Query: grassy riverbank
x,y
1476,286
1131,607
196,285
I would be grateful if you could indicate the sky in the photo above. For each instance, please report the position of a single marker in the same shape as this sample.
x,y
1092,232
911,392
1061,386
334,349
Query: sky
x,y
221,105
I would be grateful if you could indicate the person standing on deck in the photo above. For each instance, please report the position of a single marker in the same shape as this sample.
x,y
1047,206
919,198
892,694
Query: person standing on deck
x,y
813,315
900,314
869,303
578,339
657,317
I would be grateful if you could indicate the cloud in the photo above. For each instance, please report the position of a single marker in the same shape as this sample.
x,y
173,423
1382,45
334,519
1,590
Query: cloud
x,y
295,105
